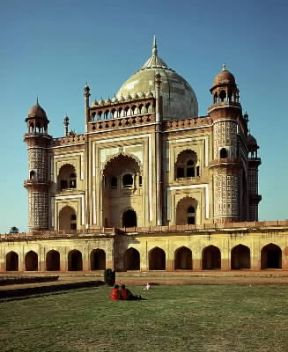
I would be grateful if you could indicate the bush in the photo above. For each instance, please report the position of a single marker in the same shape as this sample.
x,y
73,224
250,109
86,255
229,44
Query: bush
x,y
109,277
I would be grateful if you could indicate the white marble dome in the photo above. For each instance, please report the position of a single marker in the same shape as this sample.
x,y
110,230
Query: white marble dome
x,y
179,99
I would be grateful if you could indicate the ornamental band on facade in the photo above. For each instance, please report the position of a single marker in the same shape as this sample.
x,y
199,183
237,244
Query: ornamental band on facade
x,y
150,185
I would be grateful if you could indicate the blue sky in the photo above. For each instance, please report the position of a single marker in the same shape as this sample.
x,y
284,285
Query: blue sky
x,y
52,48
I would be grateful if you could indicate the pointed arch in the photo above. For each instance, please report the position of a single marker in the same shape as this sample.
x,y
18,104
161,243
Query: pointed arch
x,y
187,164
12,261
157,259
132,259
53,260
67,177
67,219
97,259
75,262
31,261
211,258
183,259
271,257
186,211
240,257
122,159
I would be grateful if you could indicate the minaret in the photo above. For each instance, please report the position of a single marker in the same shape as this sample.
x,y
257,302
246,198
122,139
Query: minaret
x,y
37,184
225,167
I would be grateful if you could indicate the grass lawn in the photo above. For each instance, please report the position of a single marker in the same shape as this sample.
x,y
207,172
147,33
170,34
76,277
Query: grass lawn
x,y
173,318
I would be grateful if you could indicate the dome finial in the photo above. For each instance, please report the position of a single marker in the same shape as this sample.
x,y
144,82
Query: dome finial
x,y
154,48
224,67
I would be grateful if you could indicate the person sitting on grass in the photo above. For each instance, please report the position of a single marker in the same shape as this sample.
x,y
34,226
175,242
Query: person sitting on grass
x,y
115,293
127,295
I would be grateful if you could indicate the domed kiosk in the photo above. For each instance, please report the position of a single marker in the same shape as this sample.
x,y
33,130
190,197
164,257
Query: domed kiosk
x,y
179,99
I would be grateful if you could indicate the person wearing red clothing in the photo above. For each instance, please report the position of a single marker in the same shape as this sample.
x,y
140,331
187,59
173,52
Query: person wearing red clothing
x,y
127,295
115,293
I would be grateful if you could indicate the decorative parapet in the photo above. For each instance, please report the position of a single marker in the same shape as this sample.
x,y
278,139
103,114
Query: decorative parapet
x,y
68,140
217,228
189,123
114,109
121,123
123,113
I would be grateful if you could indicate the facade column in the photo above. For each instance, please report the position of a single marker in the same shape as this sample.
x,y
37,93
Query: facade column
x,y
158,158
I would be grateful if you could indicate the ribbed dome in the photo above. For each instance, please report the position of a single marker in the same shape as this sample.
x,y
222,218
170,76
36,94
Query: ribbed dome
x,y
224,77
37,111
179,99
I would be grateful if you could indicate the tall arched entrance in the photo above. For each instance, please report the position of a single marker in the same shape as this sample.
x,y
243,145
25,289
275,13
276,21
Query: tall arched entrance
x,y
271,257
12,261
53,261
122,185
211,258
186,211
67,219
75,260
157,259
240,257
31,261
98,259
131,259
183,259
129,218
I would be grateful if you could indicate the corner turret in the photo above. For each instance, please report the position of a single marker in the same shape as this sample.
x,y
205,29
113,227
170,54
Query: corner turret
x,y
37,184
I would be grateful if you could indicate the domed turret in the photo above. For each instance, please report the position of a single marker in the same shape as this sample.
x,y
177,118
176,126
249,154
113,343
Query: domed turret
x,y
37,111
179,99
224,89
224,77
37,121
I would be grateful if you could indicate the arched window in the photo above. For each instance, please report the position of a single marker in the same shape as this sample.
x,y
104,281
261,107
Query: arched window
x,y
186,165
191,215
127,180
32,175
223,153
129,218
67,178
